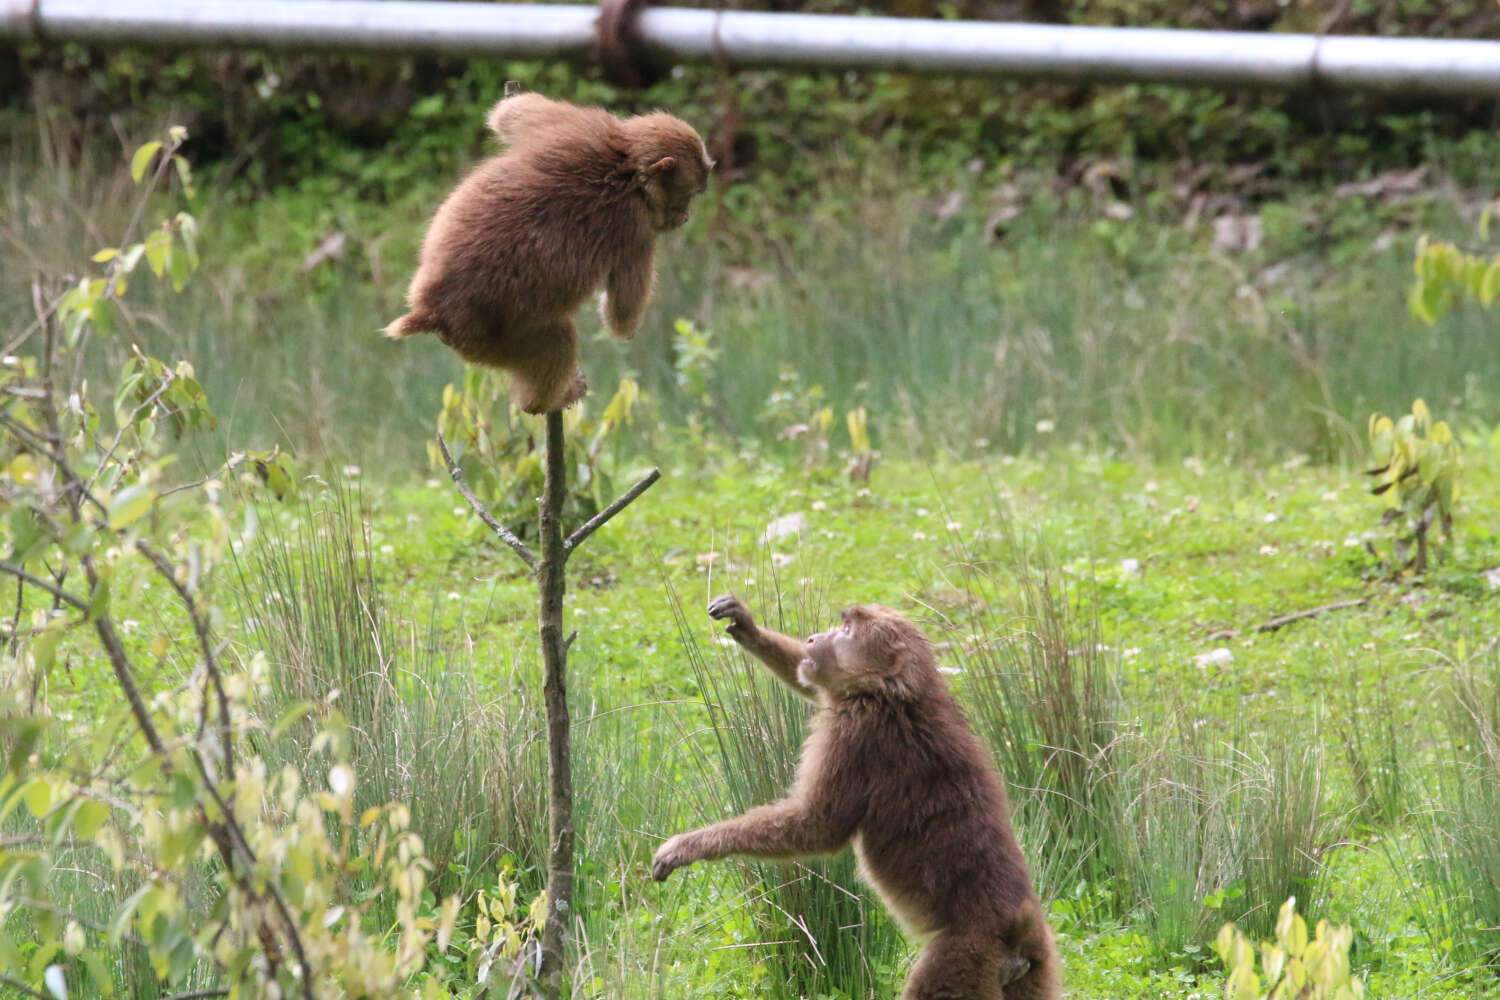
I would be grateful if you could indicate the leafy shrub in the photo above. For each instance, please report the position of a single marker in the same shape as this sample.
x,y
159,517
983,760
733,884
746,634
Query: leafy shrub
x,y
1417,472
471,771
1294,967
504,449
214,865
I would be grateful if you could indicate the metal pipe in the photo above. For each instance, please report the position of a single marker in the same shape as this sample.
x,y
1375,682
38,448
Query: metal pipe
x,y
1025,51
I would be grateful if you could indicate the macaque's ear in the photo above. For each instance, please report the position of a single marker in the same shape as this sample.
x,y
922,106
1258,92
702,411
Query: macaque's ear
x,y
662,165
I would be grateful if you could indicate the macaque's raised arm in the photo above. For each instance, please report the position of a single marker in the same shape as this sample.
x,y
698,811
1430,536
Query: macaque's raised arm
x,y
780,652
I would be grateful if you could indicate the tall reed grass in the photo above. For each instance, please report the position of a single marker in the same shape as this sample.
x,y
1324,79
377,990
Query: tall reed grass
x,y
1173,827
1460,832
472,771
1044,692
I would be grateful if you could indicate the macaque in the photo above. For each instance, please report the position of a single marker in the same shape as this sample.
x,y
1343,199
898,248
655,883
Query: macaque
x,y
892,767
575,202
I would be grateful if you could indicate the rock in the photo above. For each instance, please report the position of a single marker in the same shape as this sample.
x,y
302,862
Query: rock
x,y
781,527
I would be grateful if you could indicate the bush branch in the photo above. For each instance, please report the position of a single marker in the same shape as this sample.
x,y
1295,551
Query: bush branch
x,y
47,585
500,530
594,523
205,643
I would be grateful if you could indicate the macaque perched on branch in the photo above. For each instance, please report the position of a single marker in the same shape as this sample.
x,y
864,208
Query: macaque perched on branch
x,y
892,767
573,203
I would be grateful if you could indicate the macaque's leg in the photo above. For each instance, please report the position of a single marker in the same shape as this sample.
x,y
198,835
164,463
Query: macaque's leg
x,y
548,378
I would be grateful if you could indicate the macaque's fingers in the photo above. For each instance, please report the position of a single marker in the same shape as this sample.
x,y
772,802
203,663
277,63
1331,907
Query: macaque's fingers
x,y
731,607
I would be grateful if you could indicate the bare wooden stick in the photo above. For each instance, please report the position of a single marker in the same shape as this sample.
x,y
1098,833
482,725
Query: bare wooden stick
x,y
501,531
594,523
1276,623
551,582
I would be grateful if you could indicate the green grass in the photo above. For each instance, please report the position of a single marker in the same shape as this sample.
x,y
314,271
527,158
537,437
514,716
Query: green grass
x,y
668,737
1232,770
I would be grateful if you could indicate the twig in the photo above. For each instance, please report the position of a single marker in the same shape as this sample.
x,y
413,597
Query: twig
x,y
199,994
47,585
67,914
594,523
109,452
1276,623
504,533
21,987
234,462
15,622
205,643
120,663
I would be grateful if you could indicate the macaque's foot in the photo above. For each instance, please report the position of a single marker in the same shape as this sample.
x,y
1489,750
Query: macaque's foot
x,y
576,391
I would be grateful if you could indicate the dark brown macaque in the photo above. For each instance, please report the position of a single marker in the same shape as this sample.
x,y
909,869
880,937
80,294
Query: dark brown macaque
x,y
892,767
573,203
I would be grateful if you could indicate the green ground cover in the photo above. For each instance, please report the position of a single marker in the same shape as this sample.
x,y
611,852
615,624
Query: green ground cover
x,y
1216,548
1111,450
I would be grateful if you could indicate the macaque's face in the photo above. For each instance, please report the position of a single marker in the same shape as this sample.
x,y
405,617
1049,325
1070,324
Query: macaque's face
x,y
674,183
835,659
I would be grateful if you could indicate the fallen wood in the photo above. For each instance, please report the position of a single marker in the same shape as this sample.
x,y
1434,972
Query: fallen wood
x,y
1276,623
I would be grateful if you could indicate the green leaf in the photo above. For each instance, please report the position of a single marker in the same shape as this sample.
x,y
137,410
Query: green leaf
x,y
1489,285
290,718
104,255
99,973
130,505
184,174
99,602
142,159
427,107
88,818
38,796
126,911
158,244
178,269
44,648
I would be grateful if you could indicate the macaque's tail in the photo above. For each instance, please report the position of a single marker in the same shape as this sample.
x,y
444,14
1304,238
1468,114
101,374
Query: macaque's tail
x,y
412,323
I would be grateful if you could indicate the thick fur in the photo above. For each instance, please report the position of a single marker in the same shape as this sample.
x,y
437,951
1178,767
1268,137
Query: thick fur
x,y
892,767
574,203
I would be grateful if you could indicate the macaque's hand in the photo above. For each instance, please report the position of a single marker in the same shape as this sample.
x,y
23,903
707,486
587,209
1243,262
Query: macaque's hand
x,y
741,622
674,854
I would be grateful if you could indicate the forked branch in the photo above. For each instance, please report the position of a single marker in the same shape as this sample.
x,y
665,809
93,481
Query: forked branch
x,y
501,531
594,523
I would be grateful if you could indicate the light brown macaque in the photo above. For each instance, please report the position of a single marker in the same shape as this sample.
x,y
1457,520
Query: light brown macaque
x,y
573,203
892,767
